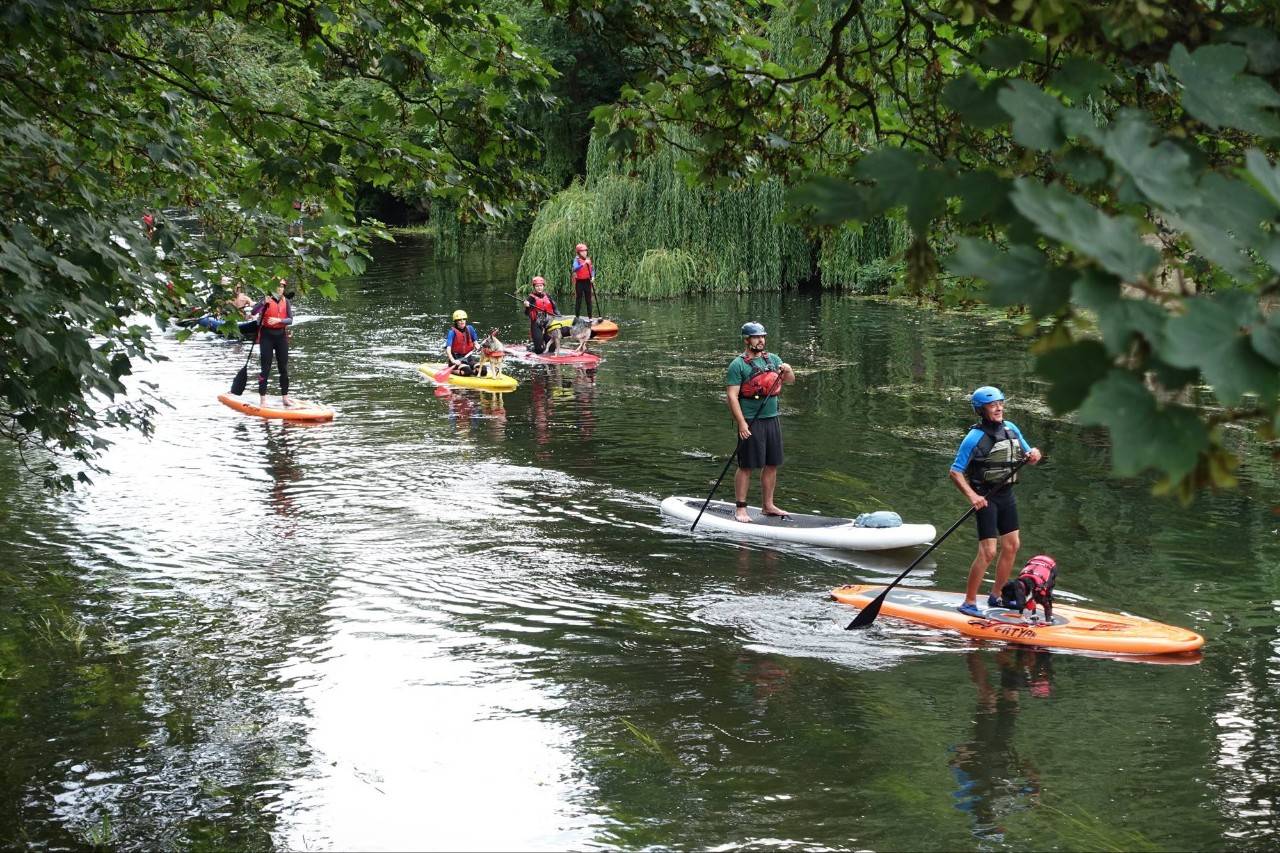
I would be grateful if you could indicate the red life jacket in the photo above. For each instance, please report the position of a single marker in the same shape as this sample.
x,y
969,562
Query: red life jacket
x,y
1041,570
463,342
273,308
761,383
541,303
583,273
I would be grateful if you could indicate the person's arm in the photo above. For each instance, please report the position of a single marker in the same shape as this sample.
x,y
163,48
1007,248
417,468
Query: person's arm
x,y
257,309
731,396
957,472
448,347
1033,453
785,373
288,320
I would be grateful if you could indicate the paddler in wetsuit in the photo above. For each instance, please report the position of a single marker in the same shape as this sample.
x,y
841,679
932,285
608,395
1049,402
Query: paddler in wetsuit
x,y
989,451
460,345
275,316
753,381
539,306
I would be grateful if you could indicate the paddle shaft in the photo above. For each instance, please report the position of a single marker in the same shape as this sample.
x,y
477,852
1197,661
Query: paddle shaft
x,y
734,455
869,613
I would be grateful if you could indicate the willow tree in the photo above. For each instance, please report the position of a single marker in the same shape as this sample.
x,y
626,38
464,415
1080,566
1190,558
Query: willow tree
x,y
1106,165
111,111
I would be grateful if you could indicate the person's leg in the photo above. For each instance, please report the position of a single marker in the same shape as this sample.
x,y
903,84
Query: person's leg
x,y
1009,544
768,482
577,300
772,435
986,553
591,310
265,350
282,365
741,484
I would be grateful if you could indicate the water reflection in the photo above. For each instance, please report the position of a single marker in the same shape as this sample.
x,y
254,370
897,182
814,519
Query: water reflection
x,y
993,779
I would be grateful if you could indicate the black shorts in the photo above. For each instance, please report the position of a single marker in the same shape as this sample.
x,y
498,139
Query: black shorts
x,y
764,447
999,516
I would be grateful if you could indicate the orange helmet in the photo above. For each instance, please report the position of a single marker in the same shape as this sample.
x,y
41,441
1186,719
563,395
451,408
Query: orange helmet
x,y
581,247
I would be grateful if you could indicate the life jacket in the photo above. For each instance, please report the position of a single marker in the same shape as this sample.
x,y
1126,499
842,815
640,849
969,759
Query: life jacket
x,y
583,272
1043,572
997,453
463,342
274,308
541,303
762,382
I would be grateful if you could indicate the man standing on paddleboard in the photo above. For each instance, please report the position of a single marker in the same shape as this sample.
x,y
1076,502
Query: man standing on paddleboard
x,y
753,382
991,449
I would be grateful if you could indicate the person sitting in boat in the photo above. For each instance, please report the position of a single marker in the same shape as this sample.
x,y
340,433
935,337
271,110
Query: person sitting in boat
x,y
460,345
541,309
240,303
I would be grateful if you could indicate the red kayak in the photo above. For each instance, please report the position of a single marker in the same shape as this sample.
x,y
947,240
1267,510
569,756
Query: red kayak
x,y
523,353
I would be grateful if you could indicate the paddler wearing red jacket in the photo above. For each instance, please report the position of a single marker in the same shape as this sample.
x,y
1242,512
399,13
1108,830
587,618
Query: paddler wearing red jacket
x,y
275,316
539,305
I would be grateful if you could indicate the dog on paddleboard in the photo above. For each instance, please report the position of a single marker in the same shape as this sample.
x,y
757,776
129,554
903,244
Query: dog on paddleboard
x,y
1033,585
491,356
580,332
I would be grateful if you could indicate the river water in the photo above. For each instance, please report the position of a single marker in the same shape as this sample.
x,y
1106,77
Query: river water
x,y
460,622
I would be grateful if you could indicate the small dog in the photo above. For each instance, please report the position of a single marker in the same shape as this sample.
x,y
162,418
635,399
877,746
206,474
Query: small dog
x,y
492,354
1033,585
580,332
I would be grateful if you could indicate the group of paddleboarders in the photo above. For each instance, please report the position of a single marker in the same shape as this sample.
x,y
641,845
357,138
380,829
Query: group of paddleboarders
x,y
984,469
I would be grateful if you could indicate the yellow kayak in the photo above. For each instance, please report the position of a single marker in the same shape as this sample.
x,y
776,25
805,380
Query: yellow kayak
x,y
484,383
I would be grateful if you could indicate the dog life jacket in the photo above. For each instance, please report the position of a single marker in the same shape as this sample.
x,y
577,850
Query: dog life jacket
x,y
278,309
463,342
1040,570
762,382
997,453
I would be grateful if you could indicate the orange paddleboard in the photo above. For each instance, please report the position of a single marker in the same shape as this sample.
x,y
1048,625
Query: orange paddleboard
x,y
301,410
604,329
1072,628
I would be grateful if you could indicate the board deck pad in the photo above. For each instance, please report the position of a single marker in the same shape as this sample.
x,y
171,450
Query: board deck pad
x,y
757,516
1072,627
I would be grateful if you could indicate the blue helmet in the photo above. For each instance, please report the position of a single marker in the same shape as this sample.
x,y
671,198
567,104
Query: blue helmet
x,y
986,394
752,328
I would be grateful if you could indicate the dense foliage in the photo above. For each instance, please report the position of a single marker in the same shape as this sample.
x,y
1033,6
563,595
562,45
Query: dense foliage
x,y
230,112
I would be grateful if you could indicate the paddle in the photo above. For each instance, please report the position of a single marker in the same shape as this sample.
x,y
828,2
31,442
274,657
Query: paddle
x,y
442,376
734,455
869,613
242,378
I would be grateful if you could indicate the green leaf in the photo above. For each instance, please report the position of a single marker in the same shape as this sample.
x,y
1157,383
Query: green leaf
x,y
831,200
1082,167
1004,52
1217,92
979,107
1262,46
1266,338
1080,78
1266,177
1072,371
1021,276
903,179
1162,172
1210,335
984,196
1143,435
1035,115
1119,319
1112,242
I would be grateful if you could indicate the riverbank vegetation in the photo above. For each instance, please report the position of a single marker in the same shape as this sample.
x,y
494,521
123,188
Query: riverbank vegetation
x,y
1105,167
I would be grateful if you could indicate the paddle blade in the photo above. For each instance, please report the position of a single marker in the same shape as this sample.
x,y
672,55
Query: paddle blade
x,y
241,380
868,614
442,376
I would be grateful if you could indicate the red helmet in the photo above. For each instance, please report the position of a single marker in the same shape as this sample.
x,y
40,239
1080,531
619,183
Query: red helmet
x,y
581,247
537,279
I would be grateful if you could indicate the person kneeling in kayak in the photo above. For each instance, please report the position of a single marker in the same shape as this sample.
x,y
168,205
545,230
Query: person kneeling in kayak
x,y
753,382
460,345
991,449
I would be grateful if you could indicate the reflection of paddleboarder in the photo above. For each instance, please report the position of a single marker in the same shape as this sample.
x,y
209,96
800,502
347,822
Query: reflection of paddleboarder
x,y
284,472
993,781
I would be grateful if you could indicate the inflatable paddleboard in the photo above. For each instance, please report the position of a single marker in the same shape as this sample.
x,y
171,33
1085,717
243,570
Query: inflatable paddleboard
x,y
799,528
1072,627
484,383
523,353
301,410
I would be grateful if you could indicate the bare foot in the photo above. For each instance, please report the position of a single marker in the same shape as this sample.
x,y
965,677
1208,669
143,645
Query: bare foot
x,y
740,514
287,401
262,401
773,510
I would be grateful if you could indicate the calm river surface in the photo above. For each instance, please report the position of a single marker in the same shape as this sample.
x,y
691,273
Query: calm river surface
x,y
460,622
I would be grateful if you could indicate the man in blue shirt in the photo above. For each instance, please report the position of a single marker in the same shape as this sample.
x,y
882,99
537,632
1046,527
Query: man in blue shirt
x,y
990,450
753,382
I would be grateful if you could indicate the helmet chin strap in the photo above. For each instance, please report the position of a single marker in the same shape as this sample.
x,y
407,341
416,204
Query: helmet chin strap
x,y
754,347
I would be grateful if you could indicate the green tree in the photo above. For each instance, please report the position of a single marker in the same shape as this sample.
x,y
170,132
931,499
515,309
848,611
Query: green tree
x,y
230,111
1106,166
